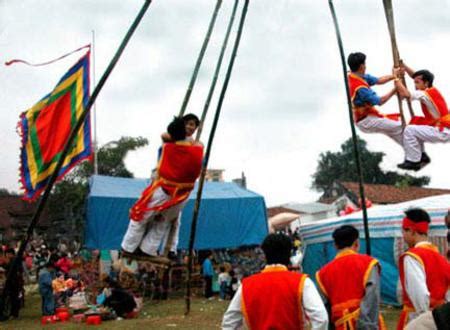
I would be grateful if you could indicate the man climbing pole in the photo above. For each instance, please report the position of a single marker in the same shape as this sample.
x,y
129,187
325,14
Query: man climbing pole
x,y
364,100
433,126
162,201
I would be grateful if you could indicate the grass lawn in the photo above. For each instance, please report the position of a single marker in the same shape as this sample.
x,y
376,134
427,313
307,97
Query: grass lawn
x,y
162,315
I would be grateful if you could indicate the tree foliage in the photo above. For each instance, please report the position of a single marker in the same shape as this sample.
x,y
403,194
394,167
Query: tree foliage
x,y
341,166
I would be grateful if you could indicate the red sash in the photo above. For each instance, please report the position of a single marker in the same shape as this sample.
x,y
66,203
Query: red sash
x,y
343,281
179,166
272,299
437,271
439,103
360,112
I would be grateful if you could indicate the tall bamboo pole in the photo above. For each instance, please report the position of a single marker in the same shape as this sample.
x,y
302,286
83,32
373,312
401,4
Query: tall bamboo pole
x,y
352,125
42,202
389,13
187,96
208,153
217,71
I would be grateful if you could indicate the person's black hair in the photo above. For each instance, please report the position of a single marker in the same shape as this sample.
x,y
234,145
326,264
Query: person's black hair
x,y
176,129
417,215
426,75
345,236
355,60
222,269
11,251
277,249
191,116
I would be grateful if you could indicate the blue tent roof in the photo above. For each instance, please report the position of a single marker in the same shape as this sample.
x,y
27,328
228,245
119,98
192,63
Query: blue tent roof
x,y
230,216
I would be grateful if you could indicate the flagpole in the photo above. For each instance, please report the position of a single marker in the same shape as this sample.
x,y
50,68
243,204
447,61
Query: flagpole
x,y
208,153
70,140
94,112
352,125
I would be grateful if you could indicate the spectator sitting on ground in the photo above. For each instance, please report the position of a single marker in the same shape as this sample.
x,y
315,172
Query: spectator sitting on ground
x,y
119,300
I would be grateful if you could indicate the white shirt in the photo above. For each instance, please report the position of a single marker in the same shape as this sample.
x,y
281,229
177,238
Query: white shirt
x,y
421,96
416,285
312,305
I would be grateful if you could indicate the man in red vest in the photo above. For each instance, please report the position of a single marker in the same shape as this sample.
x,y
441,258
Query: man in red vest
x,y
424,273
162,201
364,99
276,298
350,284
433,126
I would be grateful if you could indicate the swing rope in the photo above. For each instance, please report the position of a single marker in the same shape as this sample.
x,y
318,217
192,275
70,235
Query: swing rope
x,y
187,96
352,125
173,228
208,153
389,13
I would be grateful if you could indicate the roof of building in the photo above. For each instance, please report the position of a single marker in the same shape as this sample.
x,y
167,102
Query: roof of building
x,y
308,208
272,211
13,206
387,194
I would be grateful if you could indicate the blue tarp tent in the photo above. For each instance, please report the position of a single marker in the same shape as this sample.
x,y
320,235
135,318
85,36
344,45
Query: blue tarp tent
x,y
230,216
386,238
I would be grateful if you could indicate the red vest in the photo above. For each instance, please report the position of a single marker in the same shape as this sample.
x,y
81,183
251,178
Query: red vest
x,y
272,299
437,272
360,112
179,166
343,281
439,103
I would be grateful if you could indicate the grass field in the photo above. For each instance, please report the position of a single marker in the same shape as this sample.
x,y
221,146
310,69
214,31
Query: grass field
x,y
167,314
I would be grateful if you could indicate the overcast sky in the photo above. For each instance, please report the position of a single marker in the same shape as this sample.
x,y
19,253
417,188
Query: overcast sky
x,y
286,99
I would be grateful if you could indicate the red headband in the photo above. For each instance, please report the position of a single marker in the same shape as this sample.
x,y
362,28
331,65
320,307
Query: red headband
x,y
420,227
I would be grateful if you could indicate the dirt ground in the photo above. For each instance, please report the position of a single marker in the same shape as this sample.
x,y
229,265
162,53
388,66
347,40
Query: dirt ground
x,y
168,314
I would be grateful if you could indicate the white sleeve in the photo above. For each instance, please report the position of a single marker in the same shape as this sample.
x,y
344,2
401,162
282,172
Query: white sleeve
x,y
415,284
233,318
314,307
417,95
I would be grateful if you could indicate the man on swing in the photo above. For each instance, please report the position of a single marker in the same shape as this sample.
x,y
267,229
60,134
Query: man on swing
x,y
364,99
433,127
162,201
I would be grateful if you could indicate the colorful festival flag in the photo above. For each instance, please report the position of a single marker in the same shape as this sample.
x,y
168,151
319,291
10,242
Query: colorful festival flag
x,y
45,128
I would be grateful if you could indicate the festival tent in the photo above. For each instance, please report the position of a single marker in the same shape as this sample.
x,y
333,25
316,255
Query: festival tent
x,y
385,237
230,216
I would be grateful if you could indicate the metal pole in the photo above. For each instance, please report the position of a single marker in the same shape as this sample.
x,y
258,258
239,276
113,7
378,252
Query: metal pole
x,y
208,153
95,106
217,71
352,125
70,140
200,58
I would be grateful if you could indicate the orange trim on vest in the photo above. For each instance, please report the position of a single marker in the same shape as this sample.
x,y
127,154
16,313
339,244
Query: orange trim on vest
x,y
178,168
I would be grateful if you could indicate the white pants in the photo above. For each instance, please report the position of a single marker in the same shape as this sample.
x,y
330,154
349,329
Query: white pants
x,y
150,234
391,128
415,136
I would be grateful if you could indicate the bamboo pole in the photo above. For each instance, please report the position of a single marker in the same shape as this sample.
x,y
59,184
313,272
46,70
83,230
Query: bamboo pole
x,y
389,13
187,96
217,71
352,125
208,153
42,202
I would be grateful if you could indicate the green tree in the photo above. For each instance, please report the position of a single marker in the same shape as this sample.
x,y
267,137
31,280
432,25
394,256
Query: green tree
x,y
67,202
341,166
